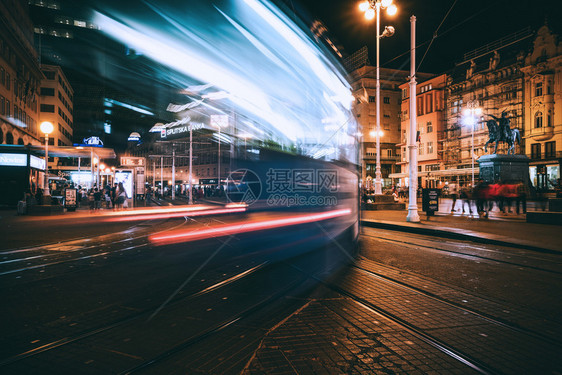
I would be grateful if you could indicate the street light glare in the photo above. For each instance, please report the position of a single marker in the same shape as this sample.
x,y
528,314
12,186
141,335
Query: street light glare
x,y
386,3
370,14
392,10
47,127
364,6
478,111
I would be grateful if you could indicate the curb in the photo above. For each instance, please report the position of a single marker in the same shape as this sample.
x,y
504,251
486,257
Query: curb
x,y
458,234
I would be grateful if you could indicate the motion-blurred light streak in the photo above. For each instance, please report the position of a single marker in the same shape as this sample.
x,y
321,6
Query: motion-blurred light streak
x,y
274,72
169,215
245,227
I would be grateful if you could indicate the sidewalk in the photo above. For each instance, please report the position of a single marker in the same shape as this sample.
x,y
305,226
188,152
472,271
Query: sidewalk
x,y
502,229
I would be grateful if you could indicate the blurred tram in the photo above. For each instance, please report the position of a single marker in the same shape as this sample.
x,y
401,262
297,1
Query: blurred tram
x,y
257,85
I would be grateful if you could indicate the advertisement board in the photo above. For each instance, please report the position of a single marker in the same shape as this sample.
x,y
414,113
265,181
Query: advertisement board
x,y
70,199
125,177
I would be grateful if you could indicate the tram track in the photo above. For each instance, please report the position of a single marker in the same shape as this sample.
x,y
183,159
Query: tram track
x,y
484,315
412,244
454,350
139,315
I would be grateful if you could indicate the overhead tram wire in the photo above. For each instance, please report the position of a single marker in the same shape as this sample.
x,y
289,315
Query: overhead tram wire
x,y
435,36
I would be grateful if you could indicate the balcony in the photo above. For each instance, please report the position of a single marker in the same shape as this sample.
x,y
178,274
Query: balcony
x,y
542,134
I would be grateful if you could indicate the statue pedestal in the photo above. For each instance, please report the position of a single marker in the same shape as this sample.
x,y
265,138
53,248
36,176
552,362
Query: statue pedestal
x,y
505,168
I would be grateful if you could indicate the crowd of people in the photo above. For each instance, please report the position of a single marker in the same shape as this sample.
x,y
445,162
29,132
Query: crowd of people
x,y
109,197
507,197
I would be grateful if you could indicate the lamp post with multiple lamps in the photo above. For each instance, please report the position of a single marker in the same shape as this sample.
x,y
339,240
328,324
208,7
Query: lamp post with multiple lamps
x,y
47,128
469,113
372,9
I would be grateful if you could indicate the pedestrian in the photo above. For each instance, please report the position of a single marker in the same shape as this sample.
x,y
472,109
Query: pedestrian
x,y
465,198
121,196
97,199
91,199
114,195
453,193
148,198
479,193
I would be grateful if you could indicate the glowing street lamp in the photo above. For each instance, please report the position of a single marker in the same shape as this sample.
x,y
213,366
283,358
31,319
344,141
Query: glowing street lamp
x,y
47,128
372,9
470,112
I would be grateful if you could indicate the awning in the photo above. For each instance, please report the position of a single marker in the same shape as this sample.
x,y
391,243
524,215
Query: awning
x,y
74,152
445,172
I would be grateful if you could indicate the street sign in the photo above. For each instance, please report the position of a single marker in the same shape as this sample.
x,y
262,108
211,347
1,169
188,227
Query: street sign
x,y
430,201
132,161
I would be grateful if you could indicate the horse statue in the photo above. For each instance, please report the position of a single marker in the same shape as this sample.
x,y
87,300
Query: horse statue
x,y
497,134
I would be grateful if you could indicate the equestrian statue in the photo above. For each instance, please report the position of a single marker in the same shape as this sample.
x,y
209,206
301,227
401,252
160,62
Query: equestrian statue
x,y
502,133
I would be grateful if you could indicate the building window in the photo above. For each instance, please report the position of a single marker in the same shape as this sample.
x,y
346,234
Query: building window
x,y
372,99
550,149
429,103
429,127
386,100
404,93
548,120
421,149
420,106
49,75
538,120
47,108
430,147
538,89
536,151
47,91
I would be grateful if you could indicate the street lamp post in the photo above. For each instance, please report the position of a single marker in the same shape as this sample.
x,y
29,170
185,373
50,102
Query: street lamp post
x,y
47,128
470,111
413,215
372,9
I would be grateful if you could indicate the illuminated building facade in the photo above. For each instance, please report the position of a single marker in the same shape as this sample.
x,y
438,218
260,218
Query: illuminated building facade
x,y
543,108
430,96
20,76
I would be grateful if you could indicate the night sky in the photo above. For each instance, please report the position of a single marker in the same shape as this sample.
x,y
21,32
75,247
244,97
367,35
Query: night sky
x,y
470,24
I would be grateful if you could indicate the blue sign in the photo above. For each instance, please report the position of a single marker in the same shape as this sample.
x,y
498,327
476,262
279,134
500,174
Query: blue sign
x,y
13,160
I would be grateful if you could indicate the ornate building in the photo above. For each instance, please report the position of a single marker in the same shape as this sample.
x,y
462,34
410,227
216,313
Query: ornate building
x,y
490,78
543,107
